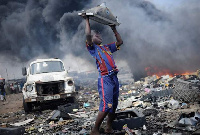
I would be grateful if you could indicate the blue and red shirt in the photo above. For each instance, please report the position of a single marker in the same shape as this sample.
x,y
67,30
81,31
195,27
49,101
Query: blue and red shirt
x,y
103,56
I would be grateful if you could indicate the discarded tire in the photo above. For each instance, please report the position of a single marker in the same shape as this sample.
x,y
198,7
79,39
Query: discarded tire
x,y
68,108
12,131
186,92
71,99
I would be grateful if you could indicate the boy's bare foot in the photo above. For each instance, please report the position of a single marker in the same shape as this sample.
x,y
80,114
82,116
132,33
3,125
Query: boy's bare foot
x,y
109,131
94,132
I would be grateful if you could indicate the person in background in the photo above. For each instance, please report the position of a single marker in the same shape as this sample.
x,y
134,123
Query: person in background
x,y
12,88
2,91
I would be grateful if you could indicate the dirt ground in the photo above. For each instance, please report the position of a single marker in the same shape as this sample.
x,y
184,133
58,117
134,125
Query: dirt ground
x,y
13,103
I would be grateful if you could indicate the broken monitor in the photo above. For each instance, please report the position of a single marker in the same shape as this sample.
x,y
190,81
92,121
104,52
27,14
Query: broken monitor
x,y
101,14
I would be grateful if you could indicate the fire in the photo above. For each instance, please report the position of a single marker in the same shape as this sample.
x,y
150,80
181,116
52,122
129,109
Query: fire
x,y
161,71
186,73
157,71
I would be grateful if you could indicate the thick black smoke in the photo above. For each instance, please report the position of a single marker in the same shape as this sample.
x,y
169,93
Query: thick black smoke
x,y
152,37
31,28
159,39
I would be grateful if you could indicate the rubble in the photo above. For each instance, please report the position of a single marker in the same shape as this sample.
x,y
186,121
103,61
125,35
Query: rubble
x,y
173,104
190,119
187,91
13,130
128,131
144,108
22,123
132,118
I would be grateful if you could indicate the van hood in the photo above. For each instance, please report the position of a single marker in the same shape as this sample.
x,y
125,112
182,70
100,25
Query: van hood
x,y
47,77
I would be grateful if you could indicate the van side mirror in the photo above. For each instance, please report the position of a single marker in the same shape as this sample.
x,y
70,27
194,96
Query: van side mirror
x,y
24,71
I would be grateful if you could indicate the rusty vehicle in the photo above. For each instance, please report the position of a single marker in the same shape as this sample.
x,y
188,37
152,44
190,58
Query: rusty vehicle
x,y
46,80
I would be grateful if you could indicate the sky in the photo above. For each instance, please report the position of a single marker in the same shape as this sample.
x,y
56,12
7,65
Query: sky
x,y
158,35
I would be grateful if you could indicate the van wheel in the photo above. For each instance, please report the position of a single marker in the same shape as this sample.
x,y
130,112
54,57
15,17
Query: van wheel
x,y
72,100
27,106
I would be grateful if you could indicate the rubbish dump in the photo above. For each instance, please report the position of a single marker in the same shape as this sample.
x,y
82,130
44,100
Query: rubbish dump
x,y
143,108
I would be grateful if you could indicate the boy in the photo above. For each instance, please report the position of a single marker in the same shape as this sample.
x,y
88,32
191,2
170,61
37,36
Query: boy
x,y
108,85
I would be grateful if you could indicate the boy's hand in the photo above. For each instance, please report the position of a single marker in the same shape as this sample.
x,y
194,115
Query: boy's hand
x,y
84,16
117,35
112,26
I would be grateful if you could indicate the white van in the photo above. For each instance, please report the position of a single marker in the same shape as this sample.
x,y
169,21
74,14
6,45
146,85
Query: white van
x,y
46,79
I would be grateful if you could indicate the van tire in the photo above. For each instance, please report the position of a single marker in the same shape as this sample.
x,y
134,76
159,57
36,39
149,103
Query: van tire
x,y
27,106
72,100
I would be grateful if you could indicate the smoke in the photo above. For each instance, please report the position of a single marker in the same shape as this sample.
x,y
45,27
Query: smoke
x,y
31,28
165,39
153,37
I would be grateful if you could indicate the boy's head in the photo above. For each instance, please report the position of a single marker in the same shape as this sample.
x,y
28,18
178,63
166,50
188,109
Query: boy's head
x,y
96,37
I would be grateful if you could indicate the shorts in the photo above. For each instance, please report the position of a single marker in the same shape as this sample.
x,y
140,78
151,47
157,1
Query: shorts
x,y
108,87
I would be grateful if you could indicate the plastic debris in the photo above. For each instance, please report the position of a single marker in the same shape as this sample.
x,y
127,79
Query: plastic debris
x,y
189,119
54,115
75,110
40,129
22,123
173,104
128,131
144,127
86,105
184,105
29,129
83,132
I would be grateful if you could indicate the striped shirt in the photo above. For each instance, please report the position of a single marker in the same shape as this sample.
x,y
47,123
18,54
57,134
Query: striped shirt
x,y
103,56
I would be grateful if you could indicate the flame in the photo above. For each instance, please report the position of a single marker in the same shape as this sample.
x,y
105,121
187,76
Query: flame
x,y
157,71
187,73
153,70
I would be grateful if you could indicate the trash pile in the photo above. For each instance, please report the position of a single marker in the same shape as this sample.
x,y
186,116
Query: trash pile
x,y
145,107
170,104
71,118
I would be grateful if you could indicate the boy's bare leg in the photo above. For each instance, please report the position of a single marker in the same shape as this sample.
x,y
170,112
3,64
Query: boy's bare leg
x,y
111,117
100,118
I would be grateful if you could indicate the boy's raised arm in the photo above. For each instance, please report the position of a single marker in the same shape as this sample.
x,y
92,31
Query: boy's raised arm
x,y
87,29
117,35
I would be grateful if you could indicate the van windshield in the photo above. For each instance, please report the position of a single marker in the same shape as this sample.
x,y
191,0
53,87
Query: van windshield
x,y
47,67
